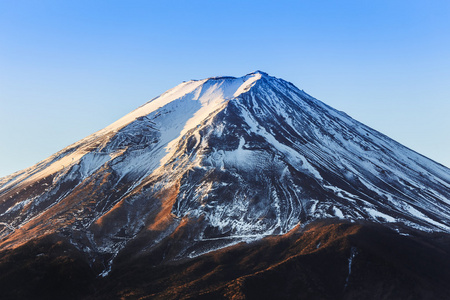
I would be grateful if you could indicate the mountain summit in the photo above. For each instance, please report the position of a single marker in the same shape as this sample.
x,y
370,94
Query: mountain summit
x,y
215,162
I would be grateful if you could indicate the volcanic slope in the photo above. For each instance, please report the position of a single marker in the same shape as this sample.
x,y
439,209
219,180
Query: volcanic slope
x,y
215,162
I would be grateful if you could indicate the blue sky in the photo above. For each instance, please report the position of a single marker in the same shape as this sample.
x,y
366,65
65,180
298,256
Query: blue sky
x,y
70,68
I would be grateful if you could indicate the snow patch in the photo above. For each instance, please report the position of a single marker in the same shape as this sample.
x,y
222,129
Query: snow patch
x,y
377,214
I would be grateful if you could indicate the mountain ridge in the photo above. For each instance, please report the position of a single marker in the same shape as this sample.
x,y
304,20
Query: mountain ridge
x,y
222,160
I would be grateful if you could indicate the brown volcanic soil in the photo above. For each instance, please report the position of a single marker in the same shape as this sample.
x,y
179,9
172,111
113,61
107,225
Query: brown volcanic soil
x,y
309,263
304,264
46,268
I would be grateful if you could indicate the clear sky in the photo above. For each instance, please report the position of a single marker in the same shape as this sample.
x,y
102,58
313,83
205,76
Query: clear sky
x,y
70,68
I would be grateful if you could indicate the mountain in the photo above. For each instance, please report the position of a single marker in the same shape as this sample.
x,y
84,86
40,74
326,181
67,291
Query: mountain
x,y
218,166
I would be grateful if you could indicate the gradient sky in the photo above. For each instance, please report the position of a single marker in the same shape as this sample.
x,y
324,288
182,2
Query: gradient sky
x,y
70,68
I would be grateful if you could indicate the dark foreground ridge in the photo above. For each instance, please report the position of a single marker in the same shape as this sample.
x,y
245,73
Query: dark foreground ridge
x,y
325,260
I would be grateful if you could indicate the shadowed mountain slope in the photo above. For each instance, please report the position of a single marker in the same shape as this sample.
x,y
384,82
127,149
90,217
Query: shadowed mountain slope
x,y
220,162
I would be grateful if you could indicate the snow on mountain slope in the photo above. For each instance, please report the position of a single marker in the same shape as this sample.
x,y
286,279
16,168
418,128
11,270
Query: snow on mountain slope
x,y
144,135
218,161
193,100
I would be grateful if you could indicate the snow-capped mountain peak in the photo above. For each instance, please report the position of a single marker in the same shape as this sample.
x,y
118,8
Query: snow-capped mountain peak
x,y
222,160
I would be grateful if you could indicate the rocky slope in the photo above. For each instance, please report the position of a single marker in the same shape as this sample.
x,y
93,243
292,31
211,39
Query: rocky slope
x,y
215,162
